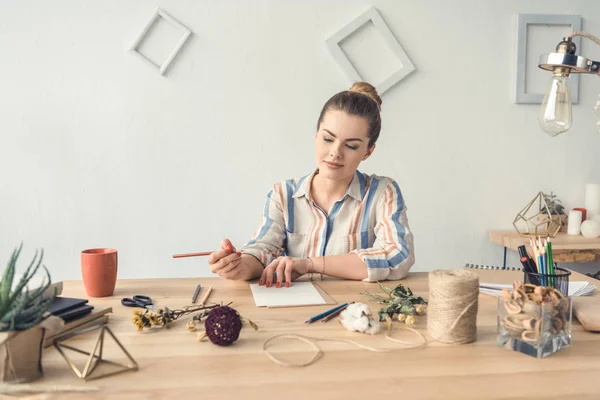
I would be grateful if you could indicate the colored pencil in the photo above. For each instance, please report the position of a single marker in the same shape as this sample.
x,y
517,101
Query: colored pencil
x,y
324,314
336,313
206,296
196,293
550,262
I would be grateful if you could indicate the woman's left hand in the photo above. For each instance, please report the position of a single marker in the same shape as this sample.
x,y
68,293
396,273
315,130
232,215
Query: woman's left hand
x,y
287,270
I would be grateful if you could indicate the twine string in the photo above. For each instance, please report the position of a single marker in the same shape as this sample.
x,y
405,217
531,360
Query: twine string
x,y
452,311
310,340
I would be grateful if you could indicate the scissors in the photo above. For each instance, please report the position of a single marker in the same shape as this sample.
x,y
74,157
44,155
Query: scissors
x,y
139,300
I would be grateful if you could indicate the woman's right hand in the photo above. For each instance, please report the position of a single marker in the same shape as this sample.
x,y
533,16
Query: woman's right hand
x,y
226,262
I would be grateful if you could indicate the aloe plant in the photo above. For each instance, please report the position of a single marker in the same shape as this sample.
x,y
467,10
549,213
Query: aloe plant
x,y
21,308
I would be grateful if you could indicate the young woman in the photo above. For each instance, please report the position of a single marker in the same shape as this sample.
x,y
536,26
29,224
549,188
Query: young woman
x,y
336,221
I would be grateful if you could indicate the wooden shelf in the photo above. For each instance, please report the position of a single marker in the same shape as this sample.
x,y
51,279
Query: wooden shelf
x,y
565,248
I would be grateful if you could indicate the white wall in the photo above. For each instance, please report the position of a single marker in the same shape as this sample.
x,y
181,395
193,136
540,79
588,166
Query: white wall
x,y
97,149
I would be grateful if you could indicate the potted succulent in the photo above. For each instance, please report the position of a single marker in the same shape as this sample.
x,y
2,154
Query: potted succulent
x,y
21,311
556,210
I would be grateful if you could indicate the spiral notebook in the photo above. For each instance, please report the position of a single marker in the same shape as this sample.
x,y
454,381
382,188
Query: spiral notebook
x,y
492,279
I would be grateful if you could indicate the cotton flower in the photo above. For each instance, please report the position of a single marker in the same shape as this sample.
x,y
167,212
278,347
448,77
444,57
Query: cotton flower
x,y
357,317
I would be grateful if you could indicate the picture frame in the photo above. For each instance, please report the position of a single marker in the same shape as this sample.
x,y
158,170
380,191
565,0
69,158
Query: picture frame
x,y
345,64
186,33
523,22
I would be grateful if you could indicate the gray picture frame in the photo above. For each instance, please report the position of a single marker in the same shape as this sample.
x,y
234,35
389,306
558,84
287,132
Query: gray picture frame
x,y
333,43
523,22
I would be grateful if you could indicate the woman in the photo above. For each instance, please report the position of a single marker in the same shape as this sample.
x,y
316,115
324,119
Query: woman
x,y
336,221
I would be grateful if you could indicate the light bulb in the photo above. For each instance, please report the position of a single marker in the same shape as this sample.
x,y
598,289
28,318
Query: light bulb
x,y
555,114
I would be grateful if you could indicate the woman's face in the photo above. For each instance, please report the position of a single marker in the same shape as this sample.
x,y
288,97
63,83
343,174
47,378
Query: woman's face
x,y
342,143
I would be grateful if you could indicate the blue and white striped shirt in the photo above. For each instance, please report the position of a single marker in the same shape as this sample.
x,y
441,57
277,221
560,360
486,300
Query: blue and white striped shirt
x,y
370,220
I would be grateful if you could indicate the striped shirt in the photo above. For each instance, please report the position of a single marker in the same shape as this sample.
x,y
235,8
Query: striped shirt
x,y
370,220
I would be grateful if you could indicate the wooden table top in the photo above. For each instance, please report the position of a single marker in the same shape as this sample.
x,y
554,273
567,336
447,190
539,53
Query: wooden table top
x,y
565,248
173,364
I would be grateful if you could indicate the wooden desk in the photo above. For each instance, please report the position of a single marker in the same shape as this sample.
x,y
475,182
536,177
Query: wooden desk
x,y
174,365
565,248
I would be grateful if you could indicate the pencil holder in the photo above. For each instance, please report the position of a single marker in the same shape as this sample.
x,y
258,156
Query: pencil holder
x,y
535,321
559,280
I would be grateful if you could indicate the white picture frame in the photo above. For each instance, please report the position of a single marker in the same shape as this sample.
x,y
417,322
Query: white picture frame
x,y
186,33
523,22
333,43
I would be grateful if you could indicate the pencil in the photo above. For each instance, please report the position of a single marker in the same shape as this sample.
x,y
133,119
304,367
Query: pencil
x,y
206,296
196,293
336,313
550,262
324,314
205,253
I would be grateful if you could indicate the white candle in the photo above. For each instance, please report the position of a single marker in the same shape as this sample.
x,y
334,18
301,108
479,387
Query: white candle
x,y
574,226
590,229
592,199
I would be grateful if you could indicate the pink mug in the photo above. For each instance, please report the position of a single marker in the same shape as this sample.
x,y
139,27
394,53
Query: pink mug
x,y
99,271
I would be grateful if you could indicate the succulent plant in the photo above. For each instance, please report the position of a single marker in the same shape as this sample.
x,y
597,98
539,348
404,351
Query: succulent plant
x,y
554,204
21,308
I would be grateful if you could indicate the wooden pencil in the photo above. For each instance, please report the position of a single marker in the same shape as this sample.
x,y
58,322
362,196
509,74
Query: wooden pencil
x,y
205,253
206,296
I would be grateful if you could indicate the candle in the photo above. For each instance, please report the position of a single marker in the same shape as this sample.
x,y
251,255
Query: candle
x,y
575,219
592,199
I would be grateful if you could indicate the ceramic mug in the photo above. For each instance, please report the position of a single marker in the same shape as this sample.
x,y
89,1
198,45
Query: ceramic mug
x,y
99,271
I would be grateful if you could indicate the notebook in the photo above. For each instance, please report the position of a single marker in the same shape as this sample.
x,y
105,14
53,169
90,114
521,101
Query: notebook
x,y
493,279
62,304
298,294
69,308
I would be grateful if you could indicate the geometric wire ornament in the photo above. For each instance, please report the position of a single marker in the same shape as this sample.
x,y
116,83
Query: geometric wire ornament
x,y
178,25
405,65
95,356
541,220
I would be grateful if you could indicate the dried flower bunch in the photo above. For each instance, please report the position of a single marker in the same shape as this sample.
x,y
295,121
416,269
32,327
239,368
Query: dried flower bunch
x,y
401,304
525,306
165,317
223,326
21,309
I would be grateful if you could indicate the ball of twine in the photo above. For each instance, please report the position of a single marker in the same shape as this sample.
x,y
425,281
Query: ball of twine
x,y
223,325
452,310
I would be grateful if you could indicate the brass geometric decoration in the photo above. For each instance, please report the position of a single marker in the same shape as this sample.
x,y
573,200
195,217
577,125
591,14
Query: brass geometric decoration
x,y
95,356
538,221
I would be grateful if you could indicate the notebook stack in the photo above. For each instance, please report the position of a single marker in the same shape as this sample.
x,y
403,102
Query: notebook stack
x,y
76,314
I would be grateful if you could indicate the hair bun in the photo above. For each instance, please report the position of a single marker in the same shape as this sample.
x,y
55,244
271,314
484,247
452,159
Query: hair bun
x,y
368,90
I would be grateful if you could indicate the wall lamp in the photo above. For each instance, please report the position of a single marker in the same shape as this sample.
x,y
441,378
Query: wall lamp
x,y
555,114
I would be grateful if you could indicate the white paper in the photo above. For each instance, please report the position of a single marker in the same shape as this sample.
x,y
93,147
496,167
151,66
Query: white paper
x,y
298,294
577,288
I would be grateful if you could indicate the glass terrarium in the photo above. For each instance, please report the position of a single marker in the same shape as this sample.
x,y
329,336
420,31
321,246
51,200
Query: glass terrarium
x,y
534,320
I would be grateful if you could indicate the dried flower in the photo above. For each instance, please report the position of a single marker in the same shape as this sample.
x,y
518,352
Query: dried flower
x,y
165,317
420,309
399,300
191,326
401,317
410,320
